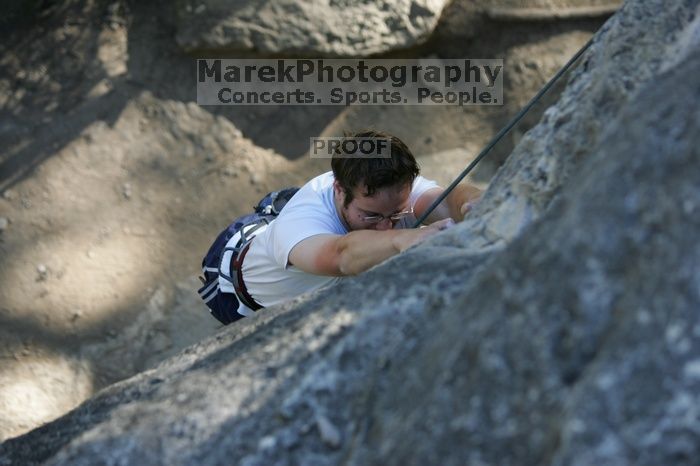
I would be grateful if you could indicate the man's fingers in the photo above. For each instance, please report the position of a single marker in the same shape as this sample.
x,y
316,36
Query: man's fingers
x,y
448,222
469,205
443,224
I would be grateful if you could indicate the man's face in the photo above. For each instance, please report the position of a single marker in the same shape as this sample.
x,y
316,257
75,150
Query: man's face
x,y
384,202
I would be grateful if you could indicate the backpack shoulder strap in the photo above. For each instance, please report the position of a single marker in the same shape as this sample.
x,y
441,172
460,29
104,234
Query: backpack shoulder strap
x,y
237,275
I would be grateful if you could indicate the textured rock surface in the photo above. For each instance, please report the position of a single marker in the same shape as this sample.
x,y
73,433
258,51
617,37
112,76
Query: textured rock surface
x,y
577,342
580,342
337,28
629,51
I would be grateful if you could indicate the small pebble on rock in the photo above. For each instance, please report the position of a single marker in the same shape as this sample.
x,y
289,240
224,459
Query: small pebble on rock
x,y
267,443
330,435
43,271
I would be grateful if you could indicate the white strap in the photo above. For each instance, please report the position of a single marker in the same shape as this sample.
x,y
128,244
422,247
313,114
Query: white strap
x,y
224,285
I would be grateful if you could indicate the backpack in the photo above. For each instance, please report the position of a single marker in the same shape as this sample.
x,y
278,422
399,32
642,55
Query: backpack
x,y
221,291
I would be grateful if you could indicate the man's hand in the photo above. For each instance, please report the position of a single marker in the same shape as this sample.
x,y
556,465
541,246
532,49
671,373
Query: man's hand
x,y
469,205
456,205
415,236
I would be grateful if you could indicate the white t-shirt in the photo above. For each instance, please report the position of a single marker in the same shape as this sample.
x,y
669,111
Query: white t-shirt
x,y
267,274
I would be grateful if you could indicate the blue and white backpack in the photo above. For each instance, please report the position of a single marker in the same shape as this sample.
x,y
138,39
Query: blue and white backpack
x,y
223,291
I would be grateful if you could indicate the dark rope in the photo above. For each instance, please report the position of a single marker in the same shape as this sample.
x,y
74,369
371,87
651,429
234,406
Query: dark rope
x,y
502,133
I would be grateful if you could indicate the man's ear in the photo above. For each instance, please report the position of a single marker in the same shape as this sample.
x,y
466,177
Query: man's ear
x,y
337,189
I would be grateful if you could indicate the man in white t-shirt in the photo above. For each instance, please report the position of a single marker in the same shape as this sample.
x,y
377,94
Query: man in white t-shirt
x,y
345,221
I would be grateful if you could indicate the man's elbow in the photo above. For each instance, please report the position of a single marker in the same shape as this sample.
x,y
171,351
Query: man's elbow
x,y
334,260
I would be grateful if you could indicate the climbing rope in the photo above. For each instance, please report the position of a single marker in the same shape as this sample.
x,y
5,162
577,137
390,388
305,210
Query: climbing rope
x,y
502,133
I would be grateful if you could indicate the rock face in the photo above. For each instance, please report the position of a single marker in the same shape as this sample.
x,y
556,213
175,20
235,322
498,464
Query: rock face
x,y
345,28
573,339
629,52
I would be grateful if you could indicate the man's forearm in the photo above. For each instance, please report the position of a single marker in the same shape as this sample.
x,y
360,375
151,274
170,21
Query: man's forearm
x,y
460,195
362,249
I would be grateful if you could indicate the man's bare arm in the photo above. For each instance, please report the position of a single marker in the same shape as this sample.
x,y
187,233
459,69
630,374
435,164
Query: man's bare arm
x,y
456,205
357,251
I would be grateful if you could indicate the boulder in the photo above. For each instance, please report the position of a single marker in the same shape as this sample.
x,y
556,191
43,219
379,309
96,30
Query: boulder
x,y
339,28
573,339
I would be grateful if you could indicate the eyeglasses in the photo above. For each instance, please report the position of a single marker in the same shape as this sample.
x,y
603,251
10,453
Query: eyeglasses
x,y
393,217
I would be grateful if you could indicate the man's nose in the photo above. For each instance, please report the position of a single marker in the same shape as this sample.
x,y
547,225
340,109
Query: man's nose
x,y
385,224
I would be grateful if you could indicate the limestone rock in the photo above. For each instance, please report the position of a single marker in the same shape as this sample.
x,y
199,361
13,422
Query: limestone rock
x,y
340,28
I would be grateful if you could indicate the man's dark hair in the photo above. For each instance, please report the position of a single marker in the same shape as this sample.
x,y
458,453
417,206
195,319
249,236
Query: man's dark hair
x,y
374,172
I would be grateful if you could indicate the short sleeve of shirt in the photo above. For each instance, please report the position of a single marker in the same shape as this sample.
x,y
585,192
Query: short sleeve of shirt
x,y
420,186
